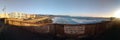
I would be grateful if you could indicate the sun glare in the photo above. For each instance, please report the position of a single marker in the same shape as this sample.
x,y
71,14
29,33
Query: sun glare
x,y
117,14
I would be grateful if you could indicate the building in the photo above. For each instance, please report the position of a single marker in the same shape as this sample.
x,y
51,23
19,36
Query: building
x,y
21,15
30,15
4,15
17,15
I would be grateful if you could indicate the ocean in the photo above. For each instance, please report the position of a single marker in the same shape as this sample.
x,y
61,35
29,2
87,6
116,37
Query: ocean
x,y
80,20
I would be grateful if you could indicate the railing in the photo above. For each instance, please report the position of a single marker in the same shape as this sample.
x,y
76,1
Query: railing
x,y
62,30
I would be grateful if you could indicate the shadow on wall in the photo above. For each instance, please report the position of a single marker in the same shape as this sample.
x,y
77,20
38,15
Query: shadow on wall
x,y
113,33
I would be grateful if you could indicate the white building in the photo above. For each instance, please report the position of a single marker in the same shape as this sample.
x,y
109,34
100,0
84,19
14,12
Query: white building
x,y
18,15
4,15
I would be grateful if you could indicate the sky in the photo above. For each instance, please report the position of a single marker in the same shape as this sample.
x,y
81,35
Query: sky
x,y
94,8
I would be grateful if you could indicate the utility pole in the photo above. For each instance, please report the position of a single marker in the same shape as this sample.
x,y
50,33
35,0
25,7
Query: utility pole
x,y
4,11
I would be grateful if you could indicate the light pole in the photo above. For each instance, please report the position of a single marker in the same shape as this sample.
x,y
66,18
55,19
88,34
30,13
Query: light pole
x,y
4,9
